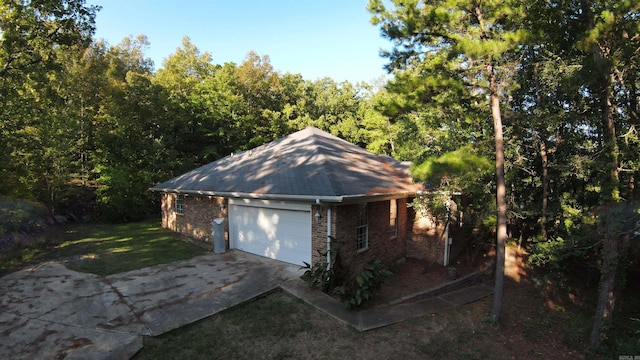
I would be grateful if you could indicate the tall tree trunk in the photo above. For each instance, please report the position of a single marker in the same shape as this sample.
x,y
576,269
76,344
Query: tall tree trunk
x,y
607,296
610,142
501,197
501,189
611,186
545,161
634,121
545,188
391,142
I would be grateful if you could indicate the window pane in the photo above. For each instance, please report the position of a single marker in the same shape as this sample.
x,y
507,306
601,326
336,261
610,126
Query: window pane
x,y
179,204
362,228
393,218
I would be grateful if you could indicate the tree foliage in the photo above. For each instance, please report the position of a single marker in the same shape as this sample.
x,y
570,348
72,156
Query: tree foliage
x,y
565,77
465,49
34,37
90,126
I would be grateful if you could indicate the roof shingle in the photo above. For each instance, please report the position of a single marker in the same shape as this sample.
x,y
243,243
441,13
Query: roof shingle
x,y
306,164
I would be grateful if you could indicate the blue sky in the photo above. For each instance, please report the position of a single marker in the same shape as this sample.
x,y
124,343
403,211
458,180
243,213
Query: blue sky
x,y
315,38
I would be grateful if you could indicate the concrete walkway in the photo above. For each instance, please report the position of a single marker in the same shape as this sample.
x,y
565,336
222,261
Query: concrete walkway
x,y
49,311
385,315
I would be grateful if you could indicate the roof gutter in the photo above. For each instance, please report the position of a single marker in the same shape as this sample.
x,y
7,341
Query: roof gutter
x,y
241,195
352,199
439,192
345,199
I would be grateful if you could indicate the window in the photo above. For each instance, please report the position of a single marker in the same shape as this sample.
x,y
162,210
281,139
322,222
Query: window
x,y
179,204
393,218
362,229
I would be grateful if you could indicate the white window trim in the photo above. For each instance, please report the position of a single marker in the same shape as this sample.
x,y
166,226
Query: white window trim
x,y
364,226
179,204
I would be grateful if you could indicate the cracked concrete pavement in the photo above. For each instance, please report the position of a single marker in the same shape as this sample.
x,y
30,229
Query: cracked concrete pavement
x,y
48,311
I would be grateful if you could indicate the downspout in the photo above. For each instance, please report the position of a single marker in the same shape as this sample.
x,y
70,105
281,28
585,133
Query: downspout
x,y
318,202
446,244
447,249
329,237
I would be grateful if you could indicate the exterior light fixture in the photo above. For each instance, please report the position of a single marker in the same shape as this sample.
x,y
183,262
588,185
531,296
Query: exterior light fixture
x,y
222,207
317,216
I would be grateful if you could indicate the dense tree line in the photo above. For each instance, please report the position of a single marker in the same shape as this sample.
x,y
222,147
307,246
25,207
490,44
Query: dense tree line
x,y
560,80
528,109
85,122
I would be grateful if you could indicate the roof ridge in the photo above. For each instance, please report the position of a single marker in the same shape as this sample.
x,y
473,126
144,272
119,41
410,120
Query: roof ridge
x,y
323,159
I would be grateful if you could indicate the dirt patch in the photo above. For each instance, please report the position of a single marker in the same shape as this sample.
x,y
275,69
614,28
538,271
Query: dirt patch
x,y
413,276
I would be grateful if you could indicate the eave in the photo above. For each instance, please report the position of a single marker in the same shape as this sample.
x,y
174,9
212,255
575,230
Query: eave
x,y
318,199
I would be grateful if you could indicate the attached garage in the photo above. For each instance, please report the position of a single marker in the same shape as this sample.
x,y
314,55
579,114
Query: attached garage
x,y
276,230
288,199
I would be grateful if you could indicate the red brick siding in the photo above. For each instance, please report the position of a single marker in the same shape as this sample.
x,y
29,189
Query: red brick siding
x,y
418,237
318,234
381,244
199,212
425,238
403,221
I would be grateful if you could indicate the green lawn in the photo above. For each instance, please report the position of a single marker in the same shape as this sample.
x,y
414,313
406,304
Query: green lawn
x,y
280,326
105,249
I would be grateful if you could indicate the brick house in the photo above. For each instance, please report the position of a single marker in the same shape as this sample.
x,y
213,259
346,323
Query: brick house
x,y
287,199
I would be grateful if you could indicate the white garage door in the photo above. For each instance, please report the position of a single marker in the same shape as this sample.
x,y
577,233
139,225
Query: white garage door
x,y
278,233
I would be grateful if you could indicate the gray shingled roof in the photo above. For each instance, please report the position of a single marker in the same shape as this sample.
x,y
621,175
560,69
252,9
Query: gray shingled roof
x,y
307,164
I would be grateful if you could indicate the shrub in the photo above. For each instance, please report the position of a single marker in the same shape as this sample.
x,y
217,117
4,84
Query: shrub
x,y
331,279
322,275
366,282
18,215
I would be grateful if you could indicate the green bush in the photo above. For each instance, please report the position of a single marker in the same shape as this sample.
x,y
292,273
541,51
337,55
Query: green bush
x,y
366,282
332,279
322,275
18,215
123,194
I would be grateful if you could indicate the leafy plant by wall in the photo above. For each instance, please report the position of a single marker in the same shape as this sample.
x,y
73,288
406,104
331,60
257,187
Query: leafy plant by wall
x,y
367,281
334,278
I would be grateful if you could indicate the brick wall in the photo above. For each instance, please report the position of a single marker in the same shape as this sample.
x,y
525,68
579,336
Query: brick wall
x,y
319,232
403,222
199,212
418,236
425,238
382,245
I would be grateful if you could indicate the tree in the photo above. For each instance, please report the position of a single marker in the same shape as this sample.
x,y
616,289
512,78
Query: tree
x,y
606,40
472,41
34,38
33,30
259,85
578,90
130,155
337,108
184,75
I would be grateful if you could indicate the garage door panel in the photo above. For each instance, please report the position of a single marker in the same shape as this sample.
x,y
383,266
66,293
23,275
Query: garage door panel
x,y
274,233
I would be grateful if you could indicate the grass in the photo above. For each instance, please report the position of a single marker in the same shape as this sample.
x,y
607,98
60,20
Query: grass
x,y
277,326
280,326
243,332
105,249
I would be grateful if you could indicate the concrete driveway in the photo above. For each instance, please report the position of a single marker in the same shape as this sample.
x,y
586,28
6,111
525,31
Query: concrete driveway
x,y
49,311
